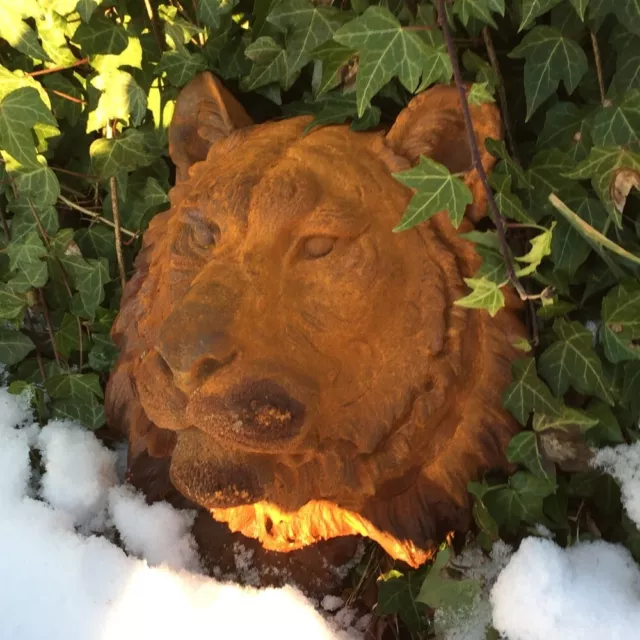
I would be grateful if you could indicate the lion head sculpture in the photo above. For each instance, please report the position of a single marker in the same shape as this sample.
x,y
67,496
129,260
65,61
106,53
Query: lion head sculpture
x,y
303,368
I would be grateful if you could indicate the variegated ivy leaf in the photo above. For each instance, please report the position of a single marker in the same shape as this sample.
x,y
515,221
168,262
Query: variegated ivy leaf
x,y
485,294
540,248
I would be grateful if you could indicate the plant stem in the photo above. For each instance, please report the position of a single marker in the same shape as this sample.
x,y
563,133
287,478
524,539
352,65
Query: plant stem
x,y
596,55
61,67
502,95
95,216
154,24
47,321
496,216
115,210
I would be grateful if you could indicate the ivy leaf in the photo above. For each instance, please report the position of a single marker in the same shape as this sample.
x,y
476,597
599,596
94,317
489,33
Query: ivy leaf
x,y
124,153
334,58
523,448
29,251
269,64
572,360
387,50
121,99
618,123
612,171
531,9
15,346
580,6
528,393
18,33
568,247
74,386
549,58
100,35
210,12
397,595
479,94
335,108
478,9
36,182
540,248
621,318
180,66
566,128
67,338
307,26
87,411
447,595
436,190
20,110
568,420
485,294
86,8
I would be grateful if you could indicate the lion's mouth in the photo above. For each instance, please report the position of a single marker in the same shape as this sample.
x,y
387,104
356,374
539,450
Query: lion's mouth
x,y
255,414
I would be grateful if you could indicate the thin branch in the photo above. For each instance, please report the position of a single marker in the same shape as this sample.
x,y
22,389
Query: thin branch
x,y
66,96
47,321
5,226
95,216
496,216
154,24
86,176
115,210
502,95
596,55
61,67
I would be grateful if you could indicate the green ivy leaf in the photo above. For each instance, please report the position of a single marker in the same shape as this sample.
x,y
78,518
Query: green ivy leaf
x,y
15,346
621,318
531,9
122,98
581,7
269,64
572,360
549,58
17,33
436,190
387,50
528,393
180,66
479,93
447,595
20,110
67,339
12,303
397,595
333,58
100,35
618,123
606,166
124,153
478,9
307,26
523,449
568,420
86,8
87,411
210,12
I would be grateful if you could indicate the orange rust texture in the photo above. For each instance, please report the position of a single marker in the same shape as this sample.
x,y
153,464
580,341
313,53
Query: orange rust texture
x,y
302,369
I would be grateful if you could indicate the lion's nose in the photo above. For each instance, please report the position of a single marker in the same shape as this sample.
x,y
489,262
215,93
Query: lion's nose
x,y
193,344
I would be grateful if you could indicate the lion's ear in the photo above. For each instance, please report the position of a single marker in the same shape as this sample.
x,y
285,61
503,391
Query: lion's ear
x,y
205,113
433,125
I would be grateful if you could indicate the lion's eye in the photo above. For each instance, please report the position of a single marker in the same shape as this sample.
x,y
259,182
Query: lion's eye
x,y
205,235
196,237
318,247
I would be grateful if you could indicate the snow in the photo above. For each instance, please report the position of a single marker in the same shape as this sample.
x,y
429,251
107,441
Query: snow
x,y
588,591
61,581
65,578
623,463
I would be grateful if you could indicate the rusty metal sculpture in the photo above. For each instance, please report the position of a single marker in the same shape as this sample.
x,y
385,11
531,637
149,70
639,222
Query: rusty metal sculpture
x,y
302,369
